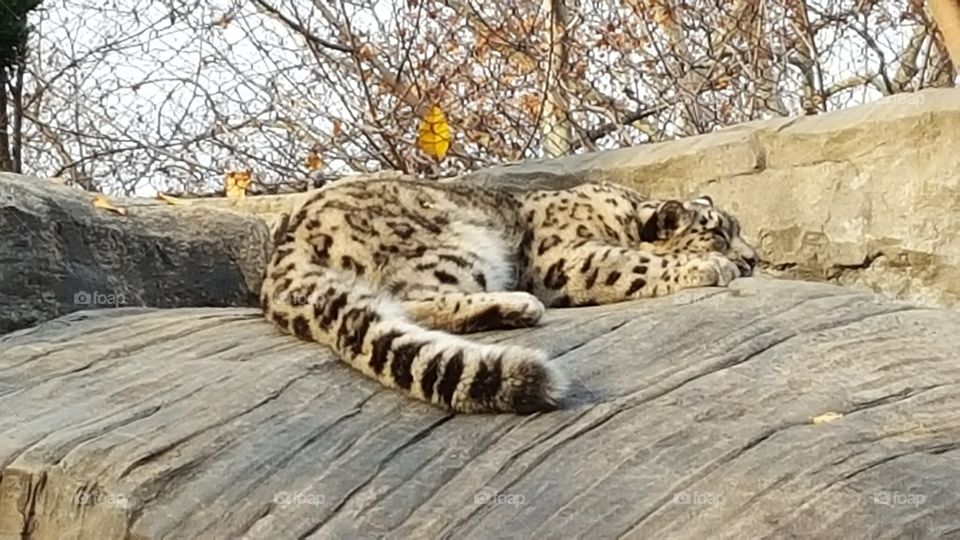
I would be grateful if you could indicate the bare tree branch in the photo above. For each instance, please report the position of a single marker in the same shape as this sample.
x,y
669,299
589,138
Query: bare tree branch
x,y
132,96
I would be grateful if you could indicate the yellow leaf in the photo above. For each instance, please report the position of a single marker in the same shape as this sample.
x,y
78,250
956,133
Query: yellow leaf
x,y
721,82
434,135
661,14
101,202
481,138
237,183
826,417
168,199
522,62
314,161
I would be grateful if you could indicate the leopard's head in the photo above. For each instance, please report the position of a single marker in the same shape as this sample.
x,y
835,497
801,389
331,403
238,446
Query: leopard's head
x,y
698,226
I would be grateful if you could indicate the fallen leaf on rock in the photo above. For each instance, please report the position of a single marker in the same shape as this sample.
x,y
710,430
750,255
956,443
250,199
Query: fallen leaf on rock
x,y
169,200
101,202
826,417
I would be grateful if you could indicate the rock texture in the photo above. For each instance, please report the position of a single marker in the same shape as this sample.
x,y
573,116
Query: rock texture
x,y
771,409
868,195
59,253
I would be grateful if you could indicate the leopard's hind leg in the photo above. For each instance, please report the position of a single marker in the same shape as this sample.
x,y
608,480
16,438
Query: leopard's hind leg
x,y
463,290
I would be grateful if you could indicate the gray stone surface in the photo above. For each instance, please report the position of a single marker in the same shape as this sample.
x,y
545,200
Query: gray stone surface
x,y
691,417
58,253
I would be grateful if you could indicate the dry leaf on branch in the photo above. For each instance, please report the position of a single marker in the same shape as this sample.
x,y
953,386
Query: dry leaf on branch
x,y
223,21
236,184
314,161
434,136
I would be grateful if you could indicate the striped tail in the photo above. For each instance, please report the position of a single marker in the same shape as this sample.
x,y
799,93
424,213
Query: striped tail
x,y
371,333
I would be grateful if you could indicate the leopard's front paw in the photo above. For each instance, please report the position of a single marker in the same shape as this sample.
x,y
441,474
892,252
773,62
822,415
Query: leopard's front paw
x,y
520,309
714,270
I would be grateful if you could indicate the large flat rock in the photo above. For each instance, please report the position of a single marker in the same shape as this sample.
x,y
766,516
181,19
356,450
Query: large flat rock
x,y
770,409
59,253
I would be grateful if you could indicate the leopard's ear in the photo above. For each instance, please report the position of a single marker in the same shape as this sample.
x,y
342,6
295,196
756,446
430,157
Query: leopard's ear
x,y
704,200
280,229
670,217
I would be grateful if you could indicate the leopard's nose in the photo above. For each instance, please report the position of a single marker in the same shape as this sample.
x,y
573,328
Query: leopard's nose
x,y
746,266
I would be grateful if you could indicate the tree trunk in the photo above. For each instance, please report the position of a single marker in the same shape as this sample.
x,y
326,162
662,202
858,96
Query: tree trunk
x,y
6,164
946,13
555,127
17,125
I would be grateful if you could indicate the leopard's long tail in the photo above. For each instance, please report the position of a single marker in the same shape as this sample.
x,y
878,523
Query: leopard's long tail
x,y
369,331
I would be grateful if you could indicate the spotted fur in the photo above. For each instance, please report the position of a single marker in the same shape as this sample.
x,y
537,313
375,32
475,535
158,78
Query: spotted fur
x,y
386,272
